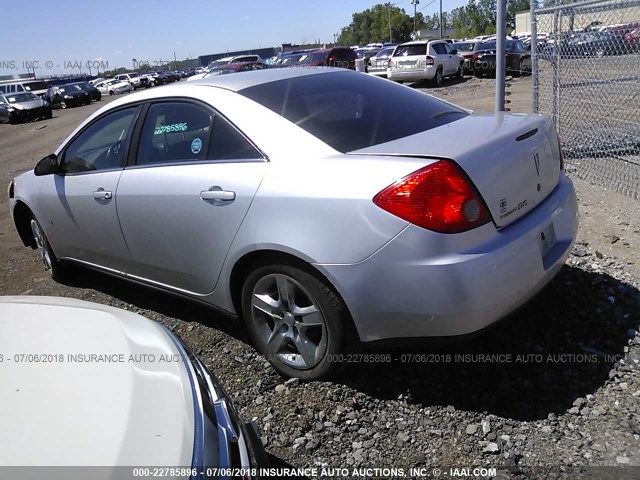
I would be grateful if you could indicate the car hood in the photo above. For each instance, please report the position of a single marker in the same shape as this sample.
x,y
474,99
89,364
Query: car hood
x,y
28,105
79,385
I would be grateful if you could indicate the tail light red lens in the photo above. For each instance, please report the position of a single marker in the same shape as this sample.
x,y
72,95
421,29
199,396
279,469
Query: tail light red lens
x,y
429,60
438,197
474,58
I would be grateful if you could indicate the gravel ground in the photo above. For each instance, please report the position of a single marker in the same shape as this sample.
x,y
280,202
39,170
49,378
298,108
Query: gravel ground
x,y
552,392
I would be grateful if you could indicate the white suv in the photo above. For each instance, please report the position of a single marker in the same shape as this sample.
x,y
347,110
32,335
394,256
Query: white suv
x,y
425,60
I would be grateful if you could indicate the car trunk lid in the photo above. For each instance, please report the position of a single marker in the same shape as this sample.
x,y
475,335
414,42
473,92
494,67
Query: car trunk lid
x,y
512,159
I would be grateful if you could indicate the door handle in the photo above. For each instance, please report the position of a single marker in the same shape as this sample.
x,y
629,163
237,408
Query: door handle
x,y
102,194
217,194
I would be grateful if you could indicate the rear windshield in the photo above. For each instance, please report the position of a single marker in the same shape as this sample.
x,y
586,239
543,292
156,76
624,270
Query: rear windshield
x,y
350,111
464,47
409,50
313,57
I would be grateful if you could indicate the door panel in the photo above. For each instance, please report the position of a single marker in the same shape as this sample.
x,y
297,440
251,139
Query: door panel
x,y
80,217
178,235
81,226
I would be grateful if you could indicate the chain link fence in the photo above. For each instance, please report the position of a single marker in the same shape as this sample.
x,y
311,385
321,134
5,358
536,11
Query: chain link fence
x,y
587,76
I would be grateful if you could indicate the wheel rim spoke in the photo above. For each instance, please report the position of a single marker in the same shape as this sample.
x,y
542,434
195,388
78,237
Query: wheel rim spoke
x,y
266,304
307,349
285,292
276,341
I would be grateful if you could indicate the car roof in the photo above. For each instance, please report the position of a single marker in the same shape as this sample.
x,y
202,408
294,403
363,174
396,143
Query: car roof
x,y
248,79
420,42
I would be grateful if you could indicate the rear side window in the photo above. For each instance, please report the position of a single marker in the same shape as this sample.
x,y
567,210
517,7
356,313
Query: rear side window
x,y
439,48
350,111
175,132
410,50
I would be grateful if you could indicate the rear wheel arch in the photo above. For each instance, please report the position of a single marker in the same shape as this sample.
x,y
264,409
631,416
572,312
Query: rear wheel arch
x,y
342,336
256,259
259,258
22,215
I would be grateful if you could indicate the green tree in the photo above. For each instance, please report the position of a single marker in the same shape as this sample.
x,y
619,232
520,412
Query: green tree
x,y
373,25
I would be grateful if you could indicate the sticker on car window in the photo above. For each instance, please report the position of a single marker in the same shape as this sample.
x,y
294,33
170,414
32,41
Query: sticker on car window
x,y
196,146
176,127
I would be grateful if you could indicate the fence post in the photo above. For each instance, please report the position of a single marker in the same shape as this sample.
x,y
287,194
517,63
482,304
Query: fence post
x,y
500,54
534,56
556,67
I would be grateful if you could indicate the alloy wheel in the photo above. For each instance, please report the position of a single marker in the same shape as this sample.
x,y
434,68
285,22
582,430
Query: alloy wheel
x,y
288,321
41,243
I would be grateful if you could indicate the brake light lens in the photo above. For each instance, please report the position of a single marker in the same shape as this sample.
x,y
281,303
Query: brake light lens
x,y
438,197
474,58
429,60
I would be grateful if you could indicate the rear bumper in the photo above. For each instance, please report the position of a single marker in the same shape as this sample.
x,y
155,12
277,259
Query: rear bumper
x,y
412,75
424,284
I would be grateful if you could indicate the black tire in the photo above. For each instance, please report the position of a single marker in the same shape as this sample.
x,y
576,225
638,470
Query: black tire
x,y
111,92
328,332
438,79
52,266
460,72
48,115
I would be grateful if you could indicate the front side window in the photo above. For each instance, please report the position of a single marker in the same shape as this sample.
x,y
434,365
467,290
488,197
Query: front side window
x,y
102,146
175,132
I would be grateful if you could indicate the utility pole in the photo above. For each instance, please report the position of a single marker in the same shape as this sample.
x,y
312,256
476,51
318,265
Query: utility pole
x,y
415,13
389,15
441,24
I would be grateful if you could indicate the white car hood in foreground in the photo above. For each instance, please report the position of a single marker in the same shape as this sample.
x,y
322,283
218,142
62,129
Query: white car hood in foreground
x,y
58,410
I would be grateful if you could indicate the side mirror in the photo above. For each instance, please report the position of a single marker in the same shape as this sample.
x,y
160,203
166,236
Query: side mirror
x,y
454,51
47,166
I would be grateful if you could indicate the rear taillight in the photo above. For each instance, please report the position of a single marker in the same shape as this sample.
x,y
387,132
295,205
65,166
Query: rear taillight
x,y
429,60
439,197
474,58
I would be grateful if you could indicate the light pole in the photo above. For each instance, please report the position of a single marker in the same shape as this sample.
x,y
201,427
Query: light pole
x,y
415,12
441,25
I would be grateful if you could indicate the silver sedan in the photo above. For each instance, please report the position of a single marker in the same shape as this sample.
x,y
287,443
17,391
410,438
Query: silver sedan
x,y
326,207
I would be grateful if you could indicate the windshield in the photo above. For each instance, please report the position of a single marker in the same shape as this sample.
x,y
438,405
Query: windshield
x,y
312,58
21,97
385,52
69,88
220,71
350,111
491,45
464,47
31,86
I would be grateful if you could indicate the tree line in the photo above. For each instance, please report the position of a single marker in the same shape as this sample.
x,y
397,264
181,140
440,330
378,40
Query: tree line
x,y
386,22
